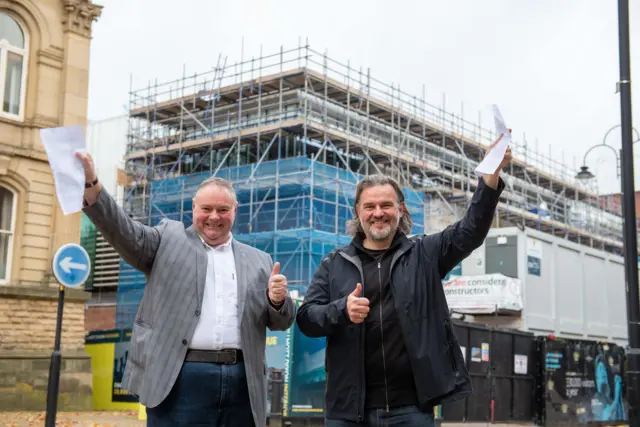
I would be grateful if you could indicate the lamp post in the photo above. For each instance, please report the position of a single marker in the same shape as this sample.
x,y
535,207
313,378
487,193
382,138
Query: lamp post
x,y
629,216
629,222
625,171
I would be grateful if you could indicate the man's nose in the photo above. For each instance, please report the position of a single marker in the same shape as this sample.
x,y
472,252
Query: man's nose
x,y
213,216
378,212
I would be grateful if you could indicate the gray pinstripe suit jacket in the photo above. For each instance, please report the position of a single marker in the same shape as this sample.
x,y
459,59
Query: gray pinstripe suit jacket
x,y
175,262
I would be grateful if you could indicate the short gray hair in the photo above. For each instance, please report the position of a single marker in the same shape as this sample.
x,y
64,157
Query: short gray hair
x,y
354,226
220,182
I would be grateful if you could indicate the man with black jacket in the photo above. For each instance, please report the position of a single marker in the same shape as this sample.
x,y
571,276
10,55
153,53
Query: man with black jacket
x,y
392,355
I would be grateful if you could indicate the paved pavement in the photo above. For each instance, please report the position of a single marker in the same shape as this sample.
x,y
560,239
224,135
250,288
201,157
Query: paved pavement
x,y
130,419
67,419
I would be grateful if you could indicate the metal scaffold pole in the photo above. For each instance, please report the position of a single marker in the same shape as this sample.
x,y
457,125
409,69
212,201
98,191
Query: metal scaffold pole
x,y
353,120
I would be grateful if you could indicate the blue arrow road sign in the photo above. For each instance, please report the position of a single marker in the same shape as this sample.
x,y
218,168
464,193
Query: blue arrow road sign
x,y
71,265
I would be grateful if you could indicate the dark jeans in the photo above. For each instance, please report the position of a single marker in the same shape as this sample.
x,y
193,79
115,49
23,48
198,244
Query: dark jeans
x,y
408,416
205,394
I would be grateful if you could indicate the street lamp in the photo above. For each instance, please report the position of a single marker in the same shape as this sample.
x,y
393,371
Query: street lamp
x,y
585,173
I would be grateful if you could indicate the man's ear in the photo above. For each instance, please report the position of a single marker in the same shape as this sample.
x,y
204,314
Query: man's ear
x,y
403,209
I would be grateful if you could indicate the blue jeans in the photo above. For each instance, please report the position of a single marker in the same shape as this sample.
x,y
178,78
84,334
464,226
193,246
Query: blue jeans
x,y
407,416
208,395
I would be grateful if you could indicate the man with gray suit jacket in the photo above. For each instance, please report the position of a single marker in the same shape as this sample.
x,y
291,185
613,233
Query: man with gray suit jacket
x,y
197,352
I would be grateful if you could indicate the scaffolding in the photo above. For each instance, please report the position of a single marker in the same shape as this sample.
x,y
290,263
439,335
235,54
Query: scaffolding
x,y
295,130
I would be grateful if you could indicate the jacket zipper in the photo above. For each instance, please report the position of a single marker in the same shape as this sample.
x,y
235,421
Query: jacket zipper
x,y
396,256
384,362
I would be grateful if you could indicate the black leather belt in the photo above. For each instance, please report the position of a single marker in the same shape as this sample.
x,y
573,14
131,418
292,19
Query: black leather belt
x,y
223,357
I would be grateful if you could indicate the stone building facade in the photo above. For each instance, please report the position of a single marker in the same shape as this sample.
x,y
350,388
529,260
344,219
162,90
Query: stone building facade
x,y
44,76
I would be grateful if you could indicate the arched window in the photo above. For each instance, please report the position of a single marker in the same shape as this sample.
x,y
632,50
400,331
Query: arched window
x,y
13,56
7,224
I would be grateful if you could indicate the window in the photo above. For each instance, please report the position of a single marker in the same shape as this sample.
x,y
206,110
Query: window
x,y
13,57
7,223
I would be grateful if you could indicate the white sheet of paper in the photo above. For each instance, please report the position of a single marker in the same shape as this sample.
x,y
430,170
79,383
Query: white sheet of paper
x,y
490,163
61,145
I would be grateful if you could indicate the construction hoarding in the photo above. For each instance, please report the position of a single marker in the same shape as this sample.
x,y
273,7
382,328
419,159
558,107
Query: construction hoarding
x,y
580,382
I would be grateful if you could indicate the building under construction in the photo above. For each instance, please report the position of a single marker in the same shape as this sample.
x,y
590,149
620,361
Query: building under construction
x,y
295,130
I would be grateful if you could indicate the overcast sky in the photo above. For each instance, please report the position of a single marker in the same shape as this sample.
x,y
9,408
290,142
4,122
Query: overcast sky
x,y
551,65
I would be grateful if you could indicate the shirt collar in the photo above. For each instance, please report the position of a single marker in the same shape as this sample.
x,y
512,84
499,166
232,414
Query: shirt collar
x,y
222,246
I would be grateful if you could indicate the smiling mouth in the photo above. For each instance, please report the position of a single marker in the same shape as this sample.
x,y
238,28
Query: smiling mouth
x,y
213,226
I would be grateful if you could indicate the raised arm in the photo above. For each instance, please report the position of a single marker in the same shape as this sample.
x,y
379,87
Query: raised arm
x,y
136,243
318,315
457,241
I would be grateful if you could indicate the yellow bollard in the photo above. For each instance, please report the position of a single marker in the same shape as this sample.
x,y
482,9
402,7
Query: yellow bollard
x,y
142,413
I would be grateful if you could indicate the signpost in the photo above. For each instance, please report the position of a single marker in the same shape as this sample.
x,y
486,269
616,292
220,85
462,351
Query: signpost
x,y
71,268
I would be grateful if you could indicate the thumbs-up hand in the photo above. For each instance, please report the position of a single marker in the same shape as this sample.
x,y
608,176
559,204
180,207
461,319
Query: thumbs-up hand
x,y
277,285
357,307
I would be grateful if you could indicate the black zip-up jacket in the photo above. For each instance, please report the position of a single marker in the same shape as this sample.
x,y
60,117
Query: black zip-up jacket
x,y
388,376
417,268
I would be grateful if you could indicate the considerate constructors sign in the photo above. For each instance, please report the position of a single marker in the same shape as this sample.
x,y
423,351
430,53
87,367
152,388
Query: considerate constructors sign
x,y
484,294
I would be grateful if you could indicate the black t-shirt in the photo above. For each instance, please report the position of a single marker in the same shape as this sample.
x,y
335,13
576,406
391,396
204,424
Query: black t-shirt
x,y
399,389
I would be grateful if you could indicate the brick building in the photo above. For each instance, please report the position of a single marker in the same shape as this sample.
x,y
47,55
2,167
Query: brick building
x,y
44,75
613,203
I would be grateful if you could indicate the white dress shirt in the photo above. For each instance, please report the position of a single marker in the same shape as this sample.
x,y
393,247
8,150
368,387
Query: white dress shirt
x,y
218,325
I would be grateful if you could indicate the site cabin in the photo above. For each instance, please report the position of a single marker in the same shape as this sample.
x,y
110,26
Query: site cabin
x,y
568,290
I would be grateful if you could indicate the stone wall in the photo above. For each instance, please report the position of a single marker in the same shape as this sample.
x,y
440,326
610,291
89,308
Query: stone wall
x,y
27,333
24,377
29,324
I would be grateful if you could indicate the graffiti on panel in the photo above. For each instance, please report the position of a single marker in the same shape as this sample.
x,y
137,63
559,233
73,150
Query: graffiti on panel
x,y
607,404
584,382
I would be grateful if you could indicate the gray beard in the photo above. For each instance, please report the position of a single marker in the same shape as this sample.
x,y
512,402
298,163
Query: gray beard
x,y
381,236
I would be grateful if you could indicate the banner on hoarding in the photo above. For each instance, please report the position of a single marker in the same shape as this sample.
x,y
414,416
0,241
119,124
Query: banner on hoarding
x,y
276,354
483,294
304,374
121,353
100,344
583,382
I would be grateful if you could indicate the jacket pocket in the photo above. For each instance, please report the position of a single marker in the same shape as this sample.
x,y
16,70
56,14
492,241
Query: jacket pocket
x,y
140,337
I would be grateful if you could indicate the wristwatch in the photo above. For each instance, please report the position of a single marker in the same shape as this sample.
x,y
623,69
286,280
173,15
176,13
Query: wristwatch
x,y
91,184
